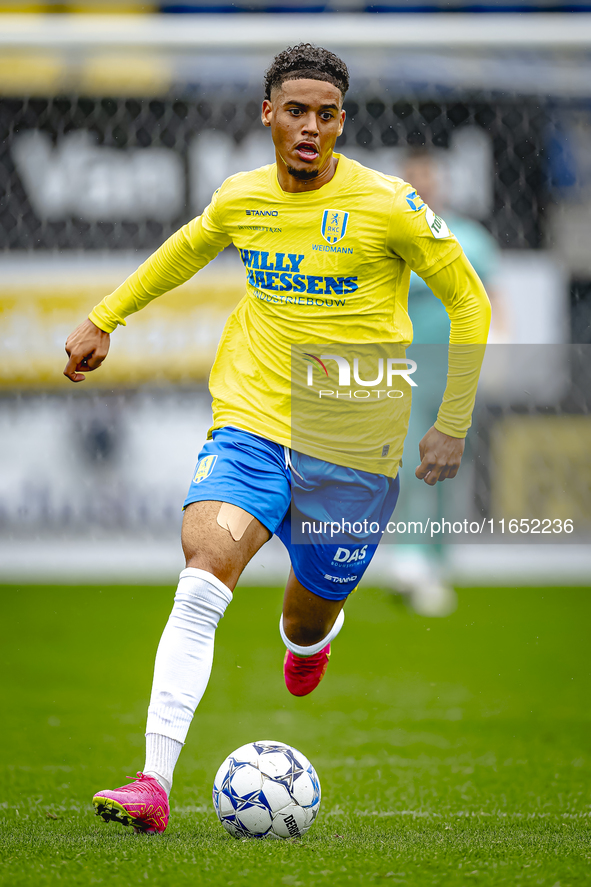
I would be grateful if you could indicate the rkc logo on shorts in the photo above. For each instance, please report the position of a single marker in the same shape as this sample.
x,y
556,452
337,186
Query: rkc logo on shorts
x,y
334,225
204,468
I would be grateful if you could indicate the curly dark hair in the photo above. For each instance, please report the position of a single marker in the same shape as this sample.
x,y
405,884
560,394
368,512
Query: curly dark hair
x,y
306,62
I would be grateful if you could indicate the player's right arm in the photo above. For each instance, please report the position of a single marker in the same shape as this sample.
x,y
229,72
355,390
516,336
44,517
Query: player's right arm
x,y
175,262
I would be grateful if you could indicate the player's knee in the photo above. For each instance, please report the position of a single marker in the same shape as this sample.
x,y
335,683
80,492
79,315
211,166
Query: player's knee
x,y
201,558
222,570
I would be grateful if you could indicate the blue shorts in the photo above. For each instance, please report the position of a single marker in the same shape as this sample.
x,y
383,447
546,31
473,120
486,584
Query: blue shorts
x,y
297,497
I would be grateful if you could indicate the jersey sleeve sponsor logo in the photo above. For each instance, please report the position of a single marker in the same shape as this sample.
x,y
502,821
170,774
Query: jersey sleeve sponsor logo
x,y
334,225
204,468
439,229
414,201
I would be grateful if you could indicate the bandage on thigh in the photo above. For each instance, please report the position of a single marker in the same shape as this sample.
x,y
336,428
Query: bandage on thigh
x,y
234,519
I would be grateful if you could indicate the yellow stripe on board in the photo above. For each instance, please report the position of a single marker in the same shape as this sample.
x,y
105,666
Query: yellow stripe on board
x,y
25,74
45,73
140,74
84,7
173,341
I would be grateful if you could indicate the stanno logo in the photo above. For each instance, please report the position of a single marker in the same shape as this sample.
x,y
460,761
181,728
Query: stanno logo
x,y
261,212
340,579
334,225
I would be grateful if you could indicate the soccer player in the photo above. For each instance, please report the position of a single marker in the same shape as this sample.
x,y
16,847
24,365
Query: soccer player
x,y
418,570
328,246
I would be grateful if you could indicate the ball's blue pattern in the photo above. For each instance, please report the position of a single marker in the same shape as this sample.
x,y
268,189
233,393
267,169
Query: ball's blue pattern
x,y
224,791
263,801
316,784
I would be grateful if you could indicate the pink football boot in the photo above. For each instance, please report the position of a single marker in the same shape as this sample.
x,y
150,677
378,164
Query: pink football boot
x,y
142,804
304,673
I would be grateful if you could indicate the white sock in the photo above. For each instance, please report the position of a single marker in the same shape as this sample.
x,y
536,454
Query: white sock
x,y
315,648
184,659
162,753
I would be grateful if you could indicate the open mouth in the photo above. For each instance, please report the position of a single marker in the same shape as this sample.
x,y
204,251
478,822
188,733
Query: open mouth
x,y
307,151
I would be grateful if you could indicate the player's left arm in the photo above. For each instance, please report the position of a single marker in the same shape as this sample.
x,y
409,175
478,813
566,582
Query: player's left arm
x,y
415,234
460,289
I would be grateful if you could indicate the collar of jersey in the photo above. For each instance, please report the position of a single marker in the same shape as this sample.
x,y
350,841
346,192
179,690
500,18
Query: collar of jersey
x,y
332,187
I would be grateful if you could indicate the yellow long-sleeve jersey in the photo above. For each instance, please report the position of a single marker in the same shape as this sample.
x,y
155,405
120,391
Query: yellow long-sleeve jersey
x,y
323,268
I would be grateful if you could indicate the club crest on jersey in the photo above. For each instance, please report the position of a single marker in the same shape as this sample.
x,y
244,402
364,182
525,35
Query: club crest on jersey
x,y
334,225
204,468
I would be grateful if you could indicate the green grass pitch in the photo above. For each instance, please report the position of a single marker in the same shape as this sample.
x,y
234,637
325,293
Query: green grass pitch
x,y
450,752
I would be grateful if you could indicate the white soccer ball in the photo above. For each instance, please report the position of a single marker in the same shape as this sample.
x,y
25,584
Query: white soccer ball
x,y
266,790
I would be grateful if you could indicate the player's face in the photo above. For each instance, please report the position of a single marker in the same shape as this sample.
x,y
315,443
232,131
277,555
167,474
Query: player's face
x,y
305,117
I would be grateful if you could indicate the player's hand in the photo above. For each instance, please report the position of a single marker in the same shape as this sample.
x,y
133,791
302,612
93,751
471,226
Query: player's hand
x,y
440,456
86,347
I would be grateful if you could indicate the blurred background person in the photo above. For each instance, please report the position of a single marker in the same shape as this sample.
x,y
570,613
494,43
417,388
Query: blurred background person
x,y
418,571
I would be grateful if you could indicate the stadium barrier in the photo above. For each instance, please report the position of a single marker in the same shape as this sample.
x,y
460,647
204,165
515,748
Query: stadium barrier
x,y
120,132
